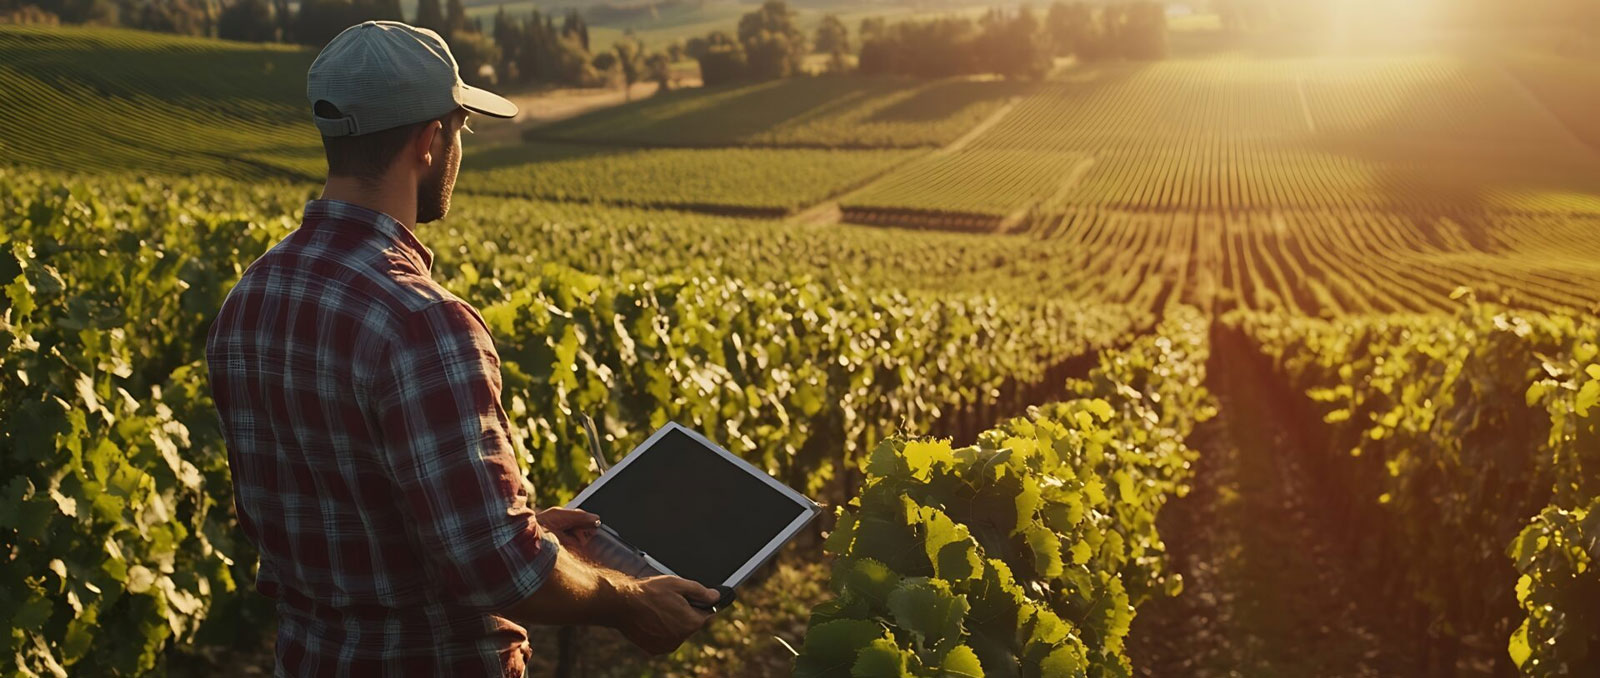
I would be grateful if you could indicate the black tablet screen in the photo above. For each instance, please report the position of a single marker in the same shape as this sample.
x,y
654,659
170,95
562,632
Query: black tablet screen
x,y
692,509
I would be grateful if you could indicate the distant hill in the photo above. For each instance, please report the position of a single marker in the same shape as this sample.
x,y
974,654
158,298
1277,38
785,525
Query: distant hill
x,y
103,99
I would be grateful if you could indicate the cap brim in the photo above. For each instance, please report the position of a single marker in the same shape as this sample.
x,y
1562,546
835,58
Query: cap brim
x,y
486,102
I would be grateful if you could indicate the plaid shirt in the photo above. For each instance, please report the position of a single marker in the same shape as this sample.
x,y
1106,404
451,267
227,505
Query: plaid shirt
x,y
371,462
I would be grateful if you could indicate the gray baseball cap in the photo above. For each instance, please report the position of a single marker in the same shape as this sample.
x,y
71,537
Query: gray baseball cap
x,y
384,74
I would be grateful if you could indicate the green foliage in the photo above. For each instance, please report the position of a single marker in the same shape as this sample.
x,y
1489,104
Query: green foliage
x,y
1453,432
773,43
114,524
134,101
1008,42
841,112
832,39
1027,553
1558,553
761,181
111,522
966,183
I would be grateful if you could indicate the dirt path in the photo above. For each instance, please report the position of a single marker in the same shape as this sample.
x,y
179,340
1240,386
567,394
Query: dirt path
x,y
1263,594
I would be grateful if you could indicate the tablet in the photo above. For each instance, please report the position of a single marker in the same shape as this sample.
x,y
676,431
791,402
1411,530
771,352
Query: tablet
x,y
679,504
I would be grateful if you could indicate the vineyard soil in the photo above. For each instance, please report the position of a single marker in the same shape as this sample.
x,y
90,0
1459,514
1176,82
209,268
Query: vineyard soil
x,y
1266,593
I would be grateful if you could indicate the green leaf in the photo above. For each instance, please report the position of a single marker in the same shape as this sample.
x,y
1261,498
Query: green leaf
x,y
960,662
923,456
1587,397
872,580
830,648
887,461
1536,391
1518,647
928,609
1063,662
843,535
881,659
34,612
1081,552
1102,409
1046,549
951,548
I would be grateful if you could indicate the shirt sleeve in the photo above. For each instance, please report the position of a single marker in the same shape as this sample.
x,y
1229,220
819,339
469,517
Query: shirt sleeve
x,y
449,450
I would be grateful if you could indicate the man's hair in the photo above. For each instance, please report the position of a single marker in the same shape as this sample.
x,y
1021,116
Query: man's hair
x,y
366,156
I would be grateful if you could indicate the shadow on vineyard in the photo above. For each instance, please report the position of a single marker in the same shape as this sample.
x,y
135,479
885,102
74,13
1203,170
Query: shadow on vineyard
x,y
1274,584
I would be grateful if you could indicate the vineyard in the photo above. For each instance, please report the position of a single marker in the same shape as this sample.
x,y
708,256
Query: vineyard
x,y
760,182
1278,365
853,112
129,100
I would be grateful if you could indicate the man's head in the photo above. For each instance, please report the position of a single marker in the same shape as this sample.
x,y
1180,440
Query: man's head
x,y
390,105
425,154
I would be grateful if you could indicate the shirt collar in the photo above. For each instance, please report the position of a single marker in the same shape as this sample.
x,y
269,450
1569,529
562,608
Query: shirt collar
x,y
339,210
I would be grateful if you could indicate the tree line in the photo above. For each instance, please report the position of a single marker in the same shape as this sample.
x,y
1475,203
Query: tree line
x,y
767,43
1014,42
536,48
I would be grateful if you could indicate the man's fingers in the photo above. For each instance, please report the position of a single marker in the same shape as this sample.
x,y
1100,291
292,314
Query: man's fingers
x,y
710,595
694,591
567,519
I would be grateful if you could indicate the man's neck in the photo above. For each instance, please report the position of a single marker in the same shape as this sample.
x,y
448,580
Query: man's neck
x,y
380,197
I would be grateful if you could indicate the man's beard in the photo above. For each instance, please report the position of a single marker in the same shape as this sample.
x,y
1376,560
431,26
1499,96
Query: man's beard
x,y
433,191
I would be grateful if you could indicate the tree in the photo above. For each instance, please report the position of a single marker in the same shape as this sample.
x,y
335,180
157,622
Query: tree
x,y
280,10
833,39
775,47
605,62
386,10
319,20
1014,45
630,60
455,18
248,20
574,27
168,16
1144,34
722,59
658,69
872,27
1070,27
476,56
431,16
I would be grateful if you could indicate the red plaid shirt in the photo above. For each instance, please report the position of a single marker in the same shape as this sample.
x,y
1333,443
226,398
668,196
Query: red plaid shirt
x,y
371,462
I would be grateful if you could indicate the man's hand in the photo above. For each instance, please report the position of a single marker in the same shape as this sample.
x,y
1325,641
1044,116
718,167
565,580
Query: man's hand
x,y
572,527
657,616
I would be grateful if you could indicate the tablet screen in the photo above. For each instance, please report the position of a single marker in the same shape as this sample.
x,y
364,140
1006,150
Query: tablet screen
x,y
691,508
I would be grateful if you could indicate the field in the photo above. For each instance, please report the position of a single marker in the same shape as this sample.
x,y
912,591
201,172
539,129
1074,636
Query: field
x,y
851,112
734,180
991,183
90,101
1319,133
1258,360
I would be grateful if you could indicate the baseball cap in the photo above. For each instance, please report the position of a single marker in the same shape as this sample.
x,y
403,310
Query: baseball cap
x,y
384,74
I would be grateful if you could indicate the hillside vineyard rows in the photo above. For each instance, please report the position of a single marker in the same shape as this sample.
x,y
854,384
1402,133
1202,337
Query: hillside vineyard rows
x,y
995,326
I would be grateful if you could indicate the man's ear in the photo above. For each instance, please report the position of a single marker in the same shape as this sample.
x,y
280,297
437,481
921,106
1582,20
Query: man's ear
x,y
422,143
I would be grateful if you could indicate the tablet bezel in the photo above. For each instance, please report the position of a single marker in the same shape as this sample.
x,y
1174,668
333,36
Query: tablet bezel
x,y
809,509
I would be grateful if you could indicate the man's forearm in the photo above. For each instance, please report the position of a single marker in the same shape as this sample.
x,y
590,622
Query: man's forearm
x,y
575,592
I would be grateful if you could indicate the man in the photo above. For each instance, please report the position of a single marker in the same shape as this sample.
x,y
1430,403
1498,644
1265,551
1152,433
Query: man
x,y
360,402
